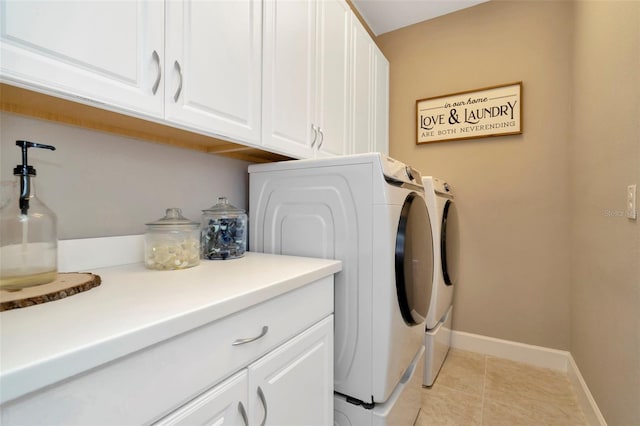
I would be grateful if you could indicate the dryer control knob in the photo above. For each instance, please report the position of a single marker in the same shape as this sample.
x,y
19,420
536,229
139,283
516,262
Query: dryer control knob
x,y
409,173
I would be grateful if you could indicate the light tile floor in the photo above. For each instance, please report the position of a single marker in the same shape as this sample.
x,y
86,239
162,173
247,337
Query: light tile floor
x,y
478,390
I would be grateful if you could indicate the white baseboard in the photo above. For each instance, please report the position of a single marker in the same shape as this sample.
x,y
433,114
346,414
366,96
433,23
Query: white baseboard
x,y
520,352
585,399
535,355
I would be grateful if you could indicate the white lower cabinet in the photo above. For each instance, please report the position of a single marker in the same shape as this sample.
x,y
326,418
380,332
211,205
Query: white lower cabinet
x,y
272,361
292,385
225,404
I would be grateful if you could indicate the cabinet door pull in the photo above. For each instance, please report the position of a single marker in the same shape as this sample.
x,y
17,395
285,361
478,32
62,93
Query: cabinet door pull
x,y
251,339
156,58
264,404
243,413
177,95
315,135
321,137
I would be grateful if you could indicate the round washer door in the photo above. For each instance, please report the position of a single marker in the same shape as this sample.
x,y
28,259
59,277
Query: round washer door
x,y
449,242
414,260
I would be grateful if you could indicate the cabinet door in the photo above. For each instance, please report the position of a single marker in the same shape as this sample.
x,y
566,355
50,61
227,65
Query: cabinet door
x,y
362,89
293,385
104,51
225,404
332,85
213,67
288,77
380,140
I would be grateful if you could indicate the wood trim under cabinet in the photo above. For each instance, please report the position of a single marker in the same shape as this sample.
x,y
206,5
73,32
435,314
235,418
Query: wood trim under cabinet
x,y
21,101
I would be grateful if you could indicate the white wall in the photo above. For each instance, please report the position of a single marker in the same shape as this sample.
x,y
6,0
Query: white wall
x,y
100,184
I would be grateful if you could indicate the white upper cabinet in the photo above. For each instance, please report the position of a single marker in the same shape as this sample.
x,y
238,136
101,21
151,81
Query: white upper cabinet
x,y
305,77
107,52
370,94
297,77
332,87
361,89
380,142
213,66
288,74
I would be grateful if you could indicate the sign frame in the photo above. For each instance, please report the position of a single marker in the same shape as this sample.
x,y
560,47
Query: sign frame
x,y
472,114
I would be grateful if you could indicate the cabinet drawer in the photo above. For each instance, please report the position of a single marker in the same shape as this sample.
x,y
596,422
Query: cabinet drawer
x,y
146,385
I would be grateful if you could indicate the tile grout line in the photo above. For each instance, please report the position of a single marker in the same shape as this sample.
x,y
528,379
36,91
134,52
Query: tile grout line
x,y
484,385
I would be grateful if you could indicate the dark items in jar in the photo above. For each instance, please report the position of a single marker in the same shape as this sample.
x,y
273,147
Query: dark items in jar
x,y
223,238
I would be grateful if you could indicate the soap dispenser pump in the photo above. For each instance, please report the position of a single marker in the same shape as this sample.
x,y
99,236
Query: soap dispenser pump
x,y
28,232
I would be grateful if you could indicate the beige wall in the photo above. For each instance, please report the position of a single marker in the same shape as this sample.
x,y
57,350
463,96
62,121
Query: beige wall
x,y
512,191
101,184
605,153
546,257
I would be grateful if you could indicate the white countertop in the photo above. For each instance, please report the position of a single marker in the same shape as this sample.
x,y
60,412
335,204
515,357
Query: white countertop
x,y
133,308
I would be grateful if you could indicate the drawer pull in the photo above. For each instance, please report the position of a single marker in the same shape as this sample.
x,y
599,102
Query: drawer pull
x,y
264,404
321,137
243,413
251,339
156,58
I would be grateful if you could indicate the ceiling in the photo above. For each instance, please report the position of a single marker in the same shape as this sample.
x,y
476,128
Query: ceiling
x,y
383,16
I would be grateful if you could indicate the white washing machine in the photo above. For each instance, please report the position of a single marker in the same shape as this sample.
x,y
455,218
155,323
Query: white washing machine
x,y
368,211
441,207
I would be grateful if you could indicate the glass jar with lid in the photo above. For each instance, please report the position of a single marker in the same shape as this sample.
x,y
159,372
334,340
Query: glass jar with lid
x,y
172,242
224,231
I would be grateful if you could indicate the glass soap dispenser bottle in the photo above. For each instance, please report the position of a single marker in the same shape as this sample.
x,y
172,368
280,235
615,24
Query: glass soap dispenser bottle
x,y
28,232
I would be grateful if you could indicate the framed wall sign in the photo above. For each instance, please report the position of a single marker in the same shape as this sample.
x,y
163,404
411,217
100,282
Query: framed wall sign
x,y
492,111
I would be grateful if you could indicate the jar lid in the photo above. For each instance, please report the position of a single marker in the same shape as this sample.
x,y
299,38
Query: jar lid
x,y
223,207
173,216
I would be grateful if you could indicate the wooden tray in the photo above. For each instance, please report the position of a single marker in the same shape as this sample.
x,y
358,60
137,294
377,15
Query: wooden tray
x,y
65,285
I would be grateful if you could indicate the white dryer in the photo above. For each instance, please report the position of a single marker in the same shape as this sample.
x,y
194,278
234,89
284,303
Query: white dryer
x,y
445,236
368,211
